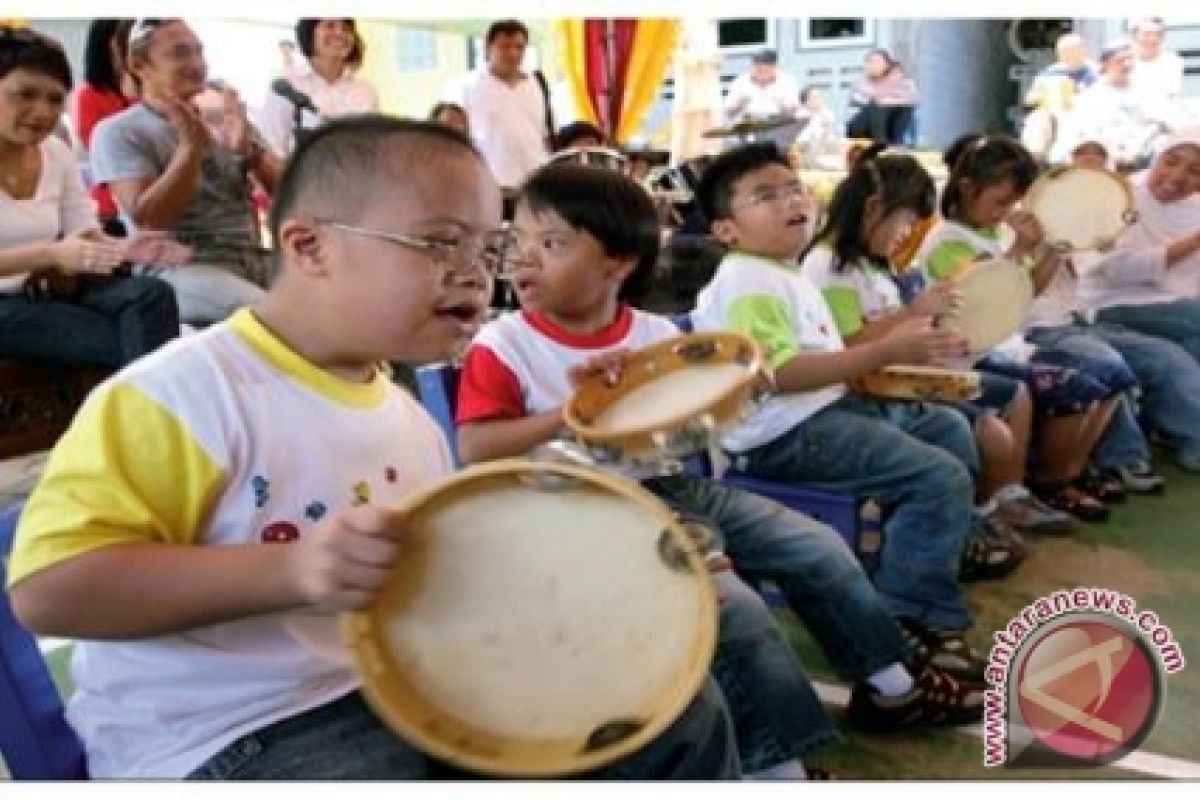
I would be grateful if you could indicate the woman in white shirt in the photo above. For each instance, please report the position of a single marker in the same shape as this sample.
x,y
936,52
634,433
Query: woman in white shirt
x,y
58,300
1150,281
334,50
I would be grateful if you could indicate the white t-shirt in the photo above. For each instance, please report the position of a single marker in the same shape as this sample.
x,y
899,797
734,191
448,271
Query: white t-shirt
x,y
508,123
856,294
1160,78
60,206
780,96
1135,271
346,95
220,439
781,309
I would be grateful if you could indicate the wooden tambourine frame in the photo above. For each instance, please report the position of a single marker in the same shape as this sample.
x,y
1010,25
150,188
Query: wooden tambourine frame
x,y
483,612
674,429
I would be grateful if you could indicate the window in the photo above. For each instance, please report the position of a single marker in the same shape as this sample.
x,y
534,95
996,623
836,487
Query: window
x,y
818,33
745,34
416,51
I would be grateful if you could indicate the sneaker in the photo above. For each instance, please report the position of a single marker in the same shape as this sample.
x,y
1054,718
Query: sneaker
x,y
1140,478
947,651
937,698
1030,515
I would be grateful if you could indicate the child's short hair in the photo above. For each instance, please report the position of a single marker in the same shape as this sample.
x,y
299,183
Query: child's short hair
x,y
898,181
339,163
715,189
21,48
612,207
569,134
985,161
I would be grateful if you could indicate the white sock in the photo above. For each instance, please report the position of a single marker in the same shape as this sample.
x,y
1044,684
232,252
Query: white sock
x,y
892,681
787,771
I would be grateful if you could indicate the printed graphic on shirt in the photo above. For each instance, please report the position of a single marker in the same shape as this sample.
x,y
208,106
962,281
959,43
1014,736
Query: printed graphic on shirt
x,y
280,532
262,490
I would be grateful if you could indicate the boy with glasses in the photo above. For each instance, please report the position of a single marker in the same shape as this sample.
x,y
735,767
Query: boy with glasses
x,y
199,525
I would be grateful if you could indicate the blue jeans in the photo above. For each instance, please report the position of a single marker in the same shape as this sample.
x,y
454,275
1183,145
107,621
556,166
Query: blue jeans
x,y
1168,374
344,740
108,325
824,583
910,457
776,713
1178,321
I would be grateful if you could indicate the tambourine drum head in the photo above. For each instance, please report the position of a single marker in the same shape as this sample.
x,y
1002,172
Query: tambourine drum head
x,y
705,378
687,392
542,619
1081,208
996,297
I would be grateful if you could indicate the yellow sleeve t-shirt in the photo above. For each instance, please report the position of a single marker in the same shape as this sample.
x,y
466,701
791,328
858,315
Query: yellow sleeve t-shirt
x,y
224,438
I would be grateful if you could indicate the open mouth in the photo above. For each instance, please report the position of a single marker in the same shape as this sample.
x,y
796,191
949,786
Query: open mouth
x,y
797,221
466,313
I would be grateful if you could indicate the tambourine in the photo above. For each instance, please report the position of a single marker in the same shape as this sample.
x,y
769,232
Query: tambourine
x,y
996,295
541,620
669,400
603,157
920,383
1081,208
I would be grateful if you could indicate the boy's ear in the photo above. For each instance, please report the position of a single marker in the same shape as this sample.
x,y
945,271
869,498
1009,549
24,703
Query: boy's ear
x,y
725,231
302,246
618,269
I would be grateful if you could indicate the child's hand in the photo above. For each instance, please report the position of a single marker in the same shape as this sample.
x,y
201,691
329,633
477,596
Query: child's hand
x,y
938,300
1028,230
610,365
346,559
917,342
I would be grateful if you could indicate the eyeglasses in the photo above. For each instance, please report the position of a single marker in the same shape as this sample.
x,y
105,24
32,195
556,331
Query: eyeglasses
x,y
774,195
452,255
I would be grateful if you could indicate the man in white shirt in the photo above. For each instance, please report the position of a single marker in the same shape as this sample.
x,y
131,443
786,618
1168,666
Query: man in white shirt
x,y
763,91
1157,71
506,107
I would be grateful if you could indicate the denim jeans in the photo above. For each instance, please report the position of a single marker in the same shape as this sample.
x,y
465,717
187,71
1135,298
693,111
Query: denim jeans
x,y
823,581
108,325
776,713
1178,321
1168,374
344,740
208,293
918,460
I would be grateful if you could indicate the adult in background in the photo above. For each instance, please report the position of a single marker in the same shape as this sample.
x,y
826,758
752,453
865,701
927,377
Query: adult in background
x,y
1053,93
883,101
762,91
48,225
1112,107
334,51
1157,71
106,90
167,173
508,108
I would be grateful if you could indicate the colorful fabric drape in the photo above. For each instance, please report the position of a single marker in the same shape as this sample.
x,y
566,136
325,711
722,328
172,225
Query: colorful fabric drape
x,y
615,68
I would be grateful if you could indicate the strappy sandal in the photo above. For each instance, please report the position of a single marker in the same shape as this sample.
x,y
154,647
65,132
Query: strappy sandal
x,y
948,651
1103,487
937,698
1074,501
990,557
